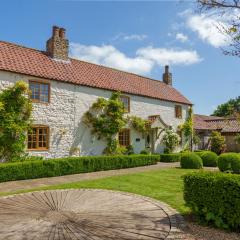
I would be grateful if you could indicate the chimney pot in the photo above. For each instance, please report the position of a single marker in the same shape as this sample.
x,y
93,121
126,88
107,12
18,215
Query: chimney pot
x,y
57,45
167,76
62,33
166,69
55,31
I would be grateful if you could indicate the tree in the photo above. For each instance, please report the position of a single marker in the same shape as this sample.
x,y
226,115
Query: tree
x,y
231,9
230,108
217,142
15,120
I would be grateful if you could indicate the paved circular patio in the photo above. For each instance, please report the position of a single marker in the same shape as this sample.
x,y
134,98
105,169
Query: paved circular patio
x,y
86,214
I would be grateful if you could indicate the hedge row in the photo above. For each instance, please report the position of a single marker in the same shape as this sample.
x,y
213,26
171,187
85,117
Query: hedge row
x,y
71,165
170,157
214,198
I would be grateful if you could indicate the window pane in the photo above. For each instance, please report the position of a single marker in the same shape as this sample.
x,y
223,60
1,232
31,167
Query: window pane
x,y
32,138
126,102
124,137
38,138
35,90
39,91
178,111
44,93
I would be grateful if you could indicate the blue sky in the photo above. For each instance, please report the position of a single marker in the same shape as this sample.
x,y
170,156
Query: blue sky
x,y
139,37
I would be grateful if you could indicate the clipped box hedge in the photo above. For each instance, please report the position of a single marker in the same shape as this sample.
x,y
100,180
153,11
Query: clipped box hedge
x,y
170,157
209,158
191,161
71,165
214,197
229,162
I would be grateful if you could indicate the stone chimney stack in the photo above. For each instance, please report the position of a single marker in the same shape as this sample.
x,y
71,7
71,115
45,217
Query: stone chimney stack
x,y
167,76
57,45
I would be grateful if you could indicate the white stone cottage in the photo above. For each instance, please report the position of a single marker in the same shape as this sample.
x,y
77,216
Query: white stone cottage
x,y
63,89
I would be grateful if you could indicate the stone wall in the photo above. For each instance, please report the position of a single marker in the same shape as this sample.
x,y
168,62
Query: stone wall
x,y
67,105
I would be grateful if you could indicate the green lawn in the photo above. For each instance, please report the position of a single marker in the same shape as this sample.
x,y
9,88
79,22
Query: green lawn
x,y
165,185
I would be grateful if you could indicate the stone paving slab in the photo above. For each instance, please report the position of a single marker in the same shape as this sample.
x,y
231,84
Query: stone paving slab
x,y
14,186
89,214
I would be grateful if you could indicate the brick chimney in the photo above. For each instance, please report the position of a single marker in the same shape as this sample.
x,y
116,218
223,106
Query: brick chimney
x,y
57,45
167,76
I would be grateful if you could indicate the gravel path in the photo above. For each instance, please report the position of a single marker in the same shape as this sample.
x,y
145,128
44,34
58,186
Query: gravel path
x,y
206,233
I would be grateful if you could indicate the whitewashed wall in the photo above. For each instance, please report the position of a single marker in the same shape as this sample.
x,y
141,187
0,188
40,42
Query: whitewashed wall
x,y
67,105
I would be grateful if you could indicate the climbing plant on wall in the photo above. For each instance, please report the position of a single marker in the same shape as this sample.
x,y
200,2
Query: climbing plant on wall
x,y
139,124
187,128
15,120
106,117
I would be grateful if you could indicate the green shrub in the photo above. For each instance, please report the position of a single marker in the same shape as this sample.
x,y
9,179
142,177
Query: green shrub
x,y
129,150
229,162
71,165
217,142
191,161
145,152
214,198
171,157
209,158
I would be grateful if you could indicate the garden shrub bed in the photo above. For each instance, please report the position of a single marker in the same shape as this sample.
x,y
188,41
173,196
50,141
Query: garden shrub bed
x,y
214,198
71,165
170,157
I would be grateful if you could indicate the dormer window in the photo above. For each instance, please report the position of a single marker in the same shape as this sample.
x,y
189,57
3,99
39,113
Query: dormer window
x,y
126,103
40,91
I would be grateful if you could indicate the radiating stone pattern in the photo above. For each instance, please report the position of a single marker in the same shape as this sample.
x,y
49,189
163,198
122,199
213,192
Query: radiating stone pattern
x,y
81,214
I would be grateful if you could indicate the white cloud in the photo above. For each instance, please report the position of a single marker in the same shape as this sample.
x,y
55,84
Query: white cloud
x,y
207,27
181,37
143,62
135,37
163,56
126,37
110,56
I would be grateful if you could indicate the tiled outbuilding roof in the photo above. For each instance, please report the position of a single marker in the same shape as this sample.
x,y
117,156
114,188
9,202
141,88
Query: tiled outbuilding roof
x,y
225,125
15,58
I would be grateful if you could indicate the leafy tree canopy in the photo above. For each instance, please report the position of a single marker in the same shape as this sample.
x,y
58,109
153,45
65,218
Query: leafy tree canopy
x,y
229,108
15,120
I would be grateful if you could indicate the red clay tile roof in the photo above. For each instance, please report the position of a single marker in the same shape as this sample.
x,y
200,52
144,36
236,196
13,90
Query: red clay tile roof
x,y
36,63
225,125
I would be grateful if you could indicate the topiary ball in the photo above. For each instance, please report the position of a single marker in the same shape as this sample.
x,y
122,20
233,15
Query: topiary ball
x,y
229,162
209,159
191,161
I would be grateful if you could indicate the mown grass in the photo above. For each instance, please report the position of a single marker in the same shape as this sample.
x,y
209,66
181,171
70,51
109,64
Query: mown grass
x,y
165,185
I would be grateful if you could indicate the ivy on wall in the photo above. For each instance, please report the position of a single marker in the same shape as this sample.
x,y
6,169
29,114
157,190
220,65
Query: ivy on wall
x,y
106,117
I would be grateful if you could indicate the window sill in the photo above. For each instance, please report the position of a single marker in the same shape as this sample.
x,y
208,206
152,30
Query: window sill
x,y
37,150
